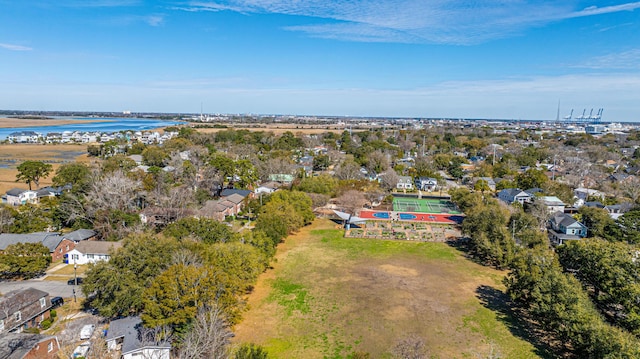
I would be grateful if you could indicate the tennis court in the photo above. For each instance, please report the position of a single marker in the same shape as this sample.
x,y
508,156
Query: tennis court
x,y
422,205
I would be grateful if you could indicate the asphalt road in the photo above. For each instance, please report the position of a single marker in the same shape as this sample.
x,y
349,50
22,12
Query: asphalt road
x,y
54,288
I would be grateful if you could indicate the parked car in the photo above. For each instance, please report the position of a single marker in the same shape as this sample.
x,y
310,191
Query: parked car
x,y
81,350
87,331
72,281
57,301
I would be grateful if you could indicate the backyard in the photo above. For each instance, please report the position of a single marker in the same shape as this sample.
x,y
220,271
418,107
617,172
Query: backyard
x,y
328,296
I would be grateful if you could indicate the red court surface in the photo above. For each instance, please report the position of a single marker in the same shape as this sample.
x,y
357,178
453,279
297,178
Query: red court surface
x,y
411,216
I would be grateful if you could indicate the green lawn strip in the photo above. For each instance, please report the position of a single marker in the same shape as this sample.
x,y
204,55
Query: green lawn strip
x,y
362,247
494,327
68,270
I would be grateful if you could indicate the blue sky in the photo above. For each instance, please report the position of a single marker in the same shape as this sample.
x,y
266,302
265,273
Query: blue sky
x,y
510,59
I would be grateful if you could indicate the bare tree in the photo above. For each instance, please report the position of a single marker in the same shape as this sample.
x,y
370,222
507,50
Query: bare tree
x,y
348,170
389,179
378,161
351,201
630,188
113,191
411,347
209,337
277,165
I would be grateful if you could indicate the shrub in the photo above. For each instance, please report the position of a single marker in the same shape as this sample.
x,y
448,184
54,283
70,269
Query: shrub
x,y
46,324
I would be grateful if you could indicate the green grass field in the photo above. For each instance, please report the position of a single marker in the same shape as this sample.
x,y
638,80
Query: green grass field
x,y
328,296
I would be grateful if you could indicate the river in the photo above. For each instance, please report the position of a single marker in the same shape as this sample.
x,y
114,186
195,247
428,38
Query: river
x,y
111,124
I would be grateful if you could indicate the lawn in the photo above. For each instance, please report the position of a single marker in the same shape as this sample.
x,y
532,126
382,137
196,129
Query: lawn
x,y
328,296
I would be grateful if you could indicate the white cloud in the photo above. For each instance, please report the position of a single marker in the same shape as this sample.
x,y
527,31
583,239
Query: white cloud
x,y
154,20
627,60
13,47
435,21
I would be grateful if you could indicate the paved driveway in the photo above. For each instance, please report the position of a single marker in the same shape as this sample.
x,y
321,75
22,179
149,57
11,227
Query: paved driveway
x,y
54,288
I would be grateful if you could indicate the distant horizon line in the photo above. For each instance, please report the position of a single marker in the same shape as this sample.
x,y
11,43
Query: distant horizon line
x,y
75,113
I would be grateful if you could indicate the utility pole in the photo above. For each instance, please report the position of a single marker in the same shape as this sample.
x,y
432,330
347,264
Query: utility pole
x,y
75,278
493,162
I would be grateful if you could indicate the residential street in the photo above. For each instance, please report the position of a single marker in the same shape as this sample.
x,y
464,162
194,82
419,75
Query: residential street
x,y
54,288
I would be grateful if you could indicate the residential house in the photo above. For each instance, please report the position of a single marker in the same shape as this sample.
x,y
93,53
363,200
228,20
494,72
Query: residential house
x,y
81,235
553,203
268,187
58,244
584,193
490,182
404,183
24,137
22,309
563,227
50,240
229,191
426,183
64,243
28,346
18,197
284,178
617,210
513,195
91,252
127,335
216,209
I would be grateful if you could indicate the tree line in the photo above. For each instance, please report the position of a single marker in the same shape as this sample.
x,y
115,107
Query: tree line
x,y
584,294
193,266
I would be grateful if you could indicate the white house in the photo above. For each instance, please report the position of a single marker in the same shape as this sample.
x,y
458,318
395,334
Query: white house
x,y
426,183
267,188
583,193
18,196
512,195
24,137
127,336
404,182
553,203
91,252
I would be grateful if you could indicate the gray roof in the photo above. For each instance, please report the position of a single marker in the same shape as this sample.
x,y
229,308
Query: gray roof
x,y
97,247
17,345
18,299
512,192
80,235
128,329
46,238
15,192
229,191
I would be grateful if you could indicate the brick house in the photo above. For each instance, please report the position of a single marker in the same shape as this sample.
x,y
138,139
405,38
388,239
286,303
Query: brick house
x,y
28,346
23,308
59,244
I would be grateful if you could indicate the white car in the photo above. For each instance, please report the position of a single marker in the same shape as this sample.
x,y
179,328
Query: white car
x,y
81,350
87,331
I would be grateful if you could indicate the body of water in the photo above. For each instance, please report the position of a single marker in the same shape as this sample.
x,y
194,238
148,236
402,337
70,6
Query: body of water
x,y
85,125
